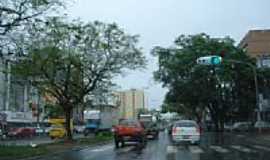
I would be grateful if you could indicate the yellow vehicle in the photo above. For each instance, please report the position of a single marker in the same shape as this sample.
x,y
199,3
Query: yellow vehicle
x,y
58,129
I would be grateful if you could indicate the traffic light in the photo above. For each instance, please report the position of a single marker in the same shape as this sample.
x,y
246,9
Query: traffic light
x,y
209,60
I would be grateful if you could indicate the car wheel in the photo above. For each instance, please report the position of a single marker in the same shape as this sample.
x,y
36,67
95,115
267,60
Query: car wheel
x,y
116,142
85,133
122,143
195,142
143,141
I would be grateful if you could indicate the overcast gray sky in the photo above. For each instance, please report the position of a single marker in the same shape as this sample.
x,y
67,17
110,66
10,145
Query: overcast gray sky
x,y
159,22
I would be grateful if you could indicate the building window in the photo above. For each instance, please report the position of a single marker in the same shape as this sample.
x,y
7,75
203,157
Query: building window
x,y
266,62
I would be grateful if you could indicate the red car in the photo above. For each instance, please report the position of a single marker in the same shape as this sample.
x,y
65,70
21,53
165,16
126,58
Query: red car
x,y
22,132
129,131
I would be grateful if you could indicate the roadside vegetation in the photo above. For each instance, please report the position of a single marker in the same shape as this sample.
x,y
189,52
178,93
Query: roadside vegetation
x,y
16,152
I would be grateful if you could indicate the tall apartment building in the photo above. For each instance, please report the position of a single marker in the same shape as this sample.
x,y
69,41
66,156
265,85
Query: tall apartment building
x,y
257,45
131,101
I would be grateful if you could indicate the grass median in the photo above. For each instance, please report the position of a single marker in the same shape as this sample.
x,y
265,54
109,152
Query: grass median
x,y
17,152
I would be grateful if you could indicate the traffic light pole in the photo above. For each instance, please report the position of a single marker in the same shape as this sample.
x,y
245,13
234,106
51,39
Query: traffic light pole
x,y
256,85
215,60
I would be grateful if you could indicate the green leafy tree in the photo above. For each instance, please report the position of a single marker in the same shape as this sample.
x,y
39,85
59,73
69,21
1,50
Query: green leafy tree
x,y
68,61
53,111
193,88
18,13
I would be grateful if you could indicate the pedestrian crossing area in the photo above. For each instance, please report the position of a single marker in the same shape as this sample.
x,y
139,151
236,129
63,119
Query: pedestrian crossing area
x,y
216,148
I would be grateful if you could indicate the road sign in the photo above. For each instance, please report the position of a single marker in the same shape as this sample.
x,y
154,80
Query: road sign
x,y
209,60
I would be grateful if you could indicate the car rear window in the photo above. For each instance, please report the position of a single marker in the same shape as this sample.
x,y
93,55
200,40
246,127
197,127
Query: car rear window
x,y
185,124
128,123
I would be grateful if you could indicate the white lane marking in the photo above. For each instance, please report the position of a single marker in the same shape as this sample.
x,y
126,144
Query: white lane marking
x,y
103,148
261,147
195,149
242,149
171,149
219,149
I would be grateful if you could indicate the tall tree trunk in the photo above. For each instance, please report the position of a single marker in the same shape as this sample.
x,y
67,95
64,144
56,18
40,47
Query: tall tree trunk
x,y
68,121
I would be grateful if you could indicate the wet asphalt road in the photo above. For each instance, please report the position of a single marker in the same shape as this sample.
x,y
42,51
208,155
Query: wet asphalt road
x,y
213,147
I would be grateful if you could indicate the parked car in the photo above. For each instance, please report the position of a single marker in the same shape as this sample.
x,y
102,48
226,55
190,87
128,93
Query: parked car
x,y
228,127
263,125
129,131
57,131
79,129
242,126
186,131
47,129
3,132
21,132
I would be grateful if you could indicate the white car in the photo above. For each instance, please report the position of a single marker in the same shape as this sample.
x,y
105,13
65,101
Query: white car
x,y
186,131
263,125
79,129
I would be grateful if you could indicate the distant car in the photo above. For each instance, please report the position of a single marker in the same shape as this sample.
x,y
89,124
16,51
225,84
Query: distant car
x,y
169,128
186,131
79,129
152,130
129,131
39,130
228,127
21,132
3,132
161,127
263,125
242,126
47,129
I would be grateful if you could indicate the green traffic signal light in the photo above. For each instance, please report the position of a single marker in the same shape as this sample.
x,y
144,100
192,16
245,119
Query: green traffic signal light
x,y
216,60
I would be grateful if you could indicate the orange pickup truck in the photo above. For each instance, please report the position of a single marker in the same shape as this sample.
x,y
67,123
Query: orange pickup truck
x,y
129,131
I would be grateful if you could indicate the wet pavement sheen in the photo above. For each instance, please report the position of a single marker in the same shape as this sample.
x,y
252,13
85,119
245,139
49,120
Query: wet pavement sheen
x,y
213,146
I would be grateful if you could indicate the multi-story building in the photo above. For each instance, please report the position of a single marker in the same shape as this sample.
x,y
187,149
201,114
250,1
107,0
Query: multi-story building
x,y
256,43
131,101
16,95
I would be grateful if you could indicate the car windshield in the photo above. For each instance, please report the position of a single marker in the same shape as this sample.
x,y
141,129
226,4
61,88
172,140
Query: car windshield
x,y
129,123
148,124
185,124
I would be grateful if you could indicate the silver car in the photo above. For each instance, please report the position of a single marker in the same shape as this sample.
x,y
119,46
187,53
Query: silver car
x,y
186,131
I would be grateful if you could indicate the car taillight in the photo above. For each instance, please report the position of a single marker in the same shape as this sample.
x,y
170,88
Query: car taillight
x,y
174,130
